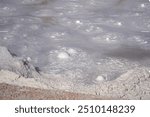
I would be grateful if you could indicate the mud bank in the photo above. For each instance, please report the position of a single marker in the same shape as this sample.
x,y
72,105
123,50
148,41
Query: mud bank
x,y
134,84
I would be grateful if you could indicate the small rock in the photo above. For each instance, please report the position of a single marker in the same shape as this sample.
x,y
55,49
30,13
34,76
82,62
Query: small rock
x,y
29,59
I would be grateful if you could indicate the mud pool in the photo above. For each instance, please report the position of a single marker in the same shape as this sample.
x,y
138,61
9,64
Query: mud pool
x,y
84,41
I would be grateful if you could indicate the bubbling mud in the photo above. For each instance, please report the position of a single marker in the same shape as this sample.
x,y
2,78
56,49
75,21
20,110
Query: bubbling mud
x,y
85,41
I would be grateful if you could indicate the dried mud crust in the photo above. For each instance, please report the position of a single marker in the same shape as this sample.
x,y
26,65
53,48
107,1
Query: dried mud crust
x,y
15,92
135,84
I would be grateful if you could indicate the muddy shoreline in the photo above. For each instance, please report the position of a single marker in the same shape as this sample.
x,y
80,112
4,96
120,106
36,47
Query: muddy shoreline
x,y
135,84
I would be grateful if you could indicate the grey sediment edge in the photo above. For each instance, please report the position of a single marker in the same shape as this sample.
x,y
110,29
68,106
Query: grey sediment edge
x,y
134,84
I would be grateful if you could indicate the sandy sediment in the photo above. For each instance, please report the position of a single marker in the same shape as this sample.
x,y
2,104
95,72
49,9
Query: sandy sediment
x,y
12,92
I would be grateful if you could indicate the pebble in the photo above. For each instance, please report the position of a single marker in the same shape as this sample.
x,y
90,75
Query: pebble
x,y
28,59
